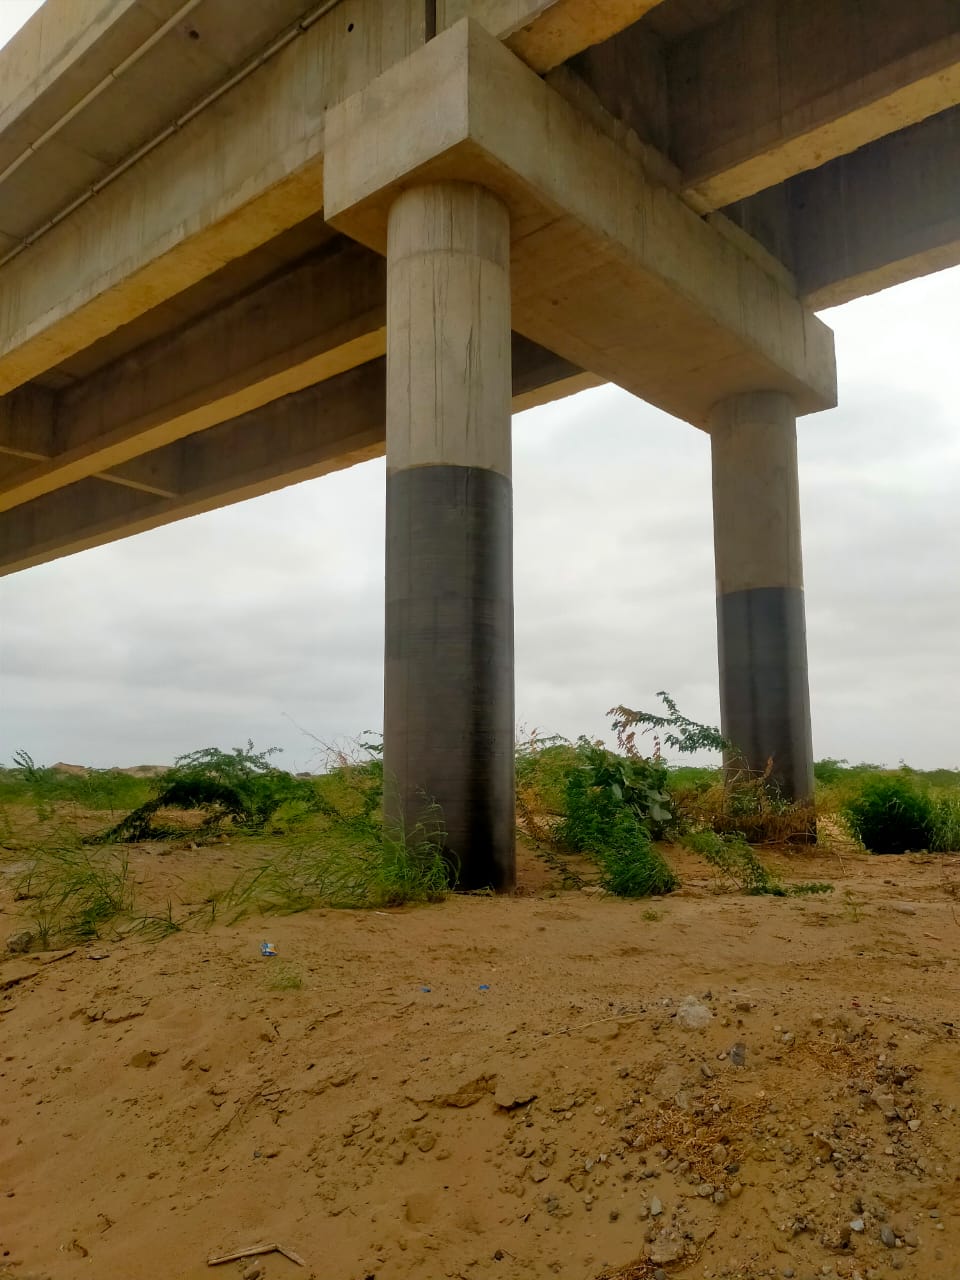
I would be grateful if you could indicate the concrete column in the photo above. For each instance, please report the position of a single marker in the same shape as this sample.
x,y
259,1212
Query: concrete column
x,y
449,712
764,696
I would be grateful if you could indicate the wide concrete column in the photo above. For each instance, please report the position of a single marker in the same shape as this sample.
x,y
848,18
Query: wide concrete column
x,y
764,695
449,701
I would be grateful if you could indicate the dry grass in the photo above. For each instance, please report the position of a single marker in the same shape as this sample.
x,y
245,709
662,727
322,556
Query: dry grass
x,y
693,1139
643,1269
852,1061
745,807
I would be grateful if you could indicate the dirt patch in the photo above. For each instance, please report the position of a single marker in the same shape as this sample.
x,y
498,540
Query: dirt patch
x,y
494,1087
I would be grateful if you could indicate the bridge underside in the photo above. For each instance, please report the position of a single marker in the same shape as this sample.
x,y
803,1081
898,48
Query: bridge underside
x,y
203,295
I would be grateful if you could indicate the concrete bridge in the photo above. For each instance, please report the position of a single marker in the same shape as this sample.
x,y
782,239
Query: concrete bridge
x,y
248,242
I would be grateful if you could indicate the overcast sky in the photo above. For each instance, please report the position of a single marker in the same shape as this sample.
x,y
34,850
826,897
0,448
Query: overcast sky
x,y
262,617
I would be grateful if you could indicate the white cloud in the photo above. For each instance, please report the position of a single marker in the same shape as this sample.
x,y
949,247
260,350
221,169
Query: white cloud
x,y
13,14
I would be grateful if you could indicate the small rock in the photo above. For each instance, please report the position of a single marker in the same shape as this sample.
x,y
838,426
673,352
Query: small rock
x,y
253,1273
656,1208
145,1058
735,1190
886,1104
719,1153
705,1190
18,943
666,1248
738,1054
511,1093
887,1236
692,1015
857,1225
913,1125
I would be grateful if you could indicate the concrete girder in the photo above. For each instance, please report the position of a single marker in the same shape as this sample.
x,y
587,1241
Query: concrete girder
x,y
322,317
887,213
310,433
321,429
609,269
27,418
70,47
778,87
61,54
544,33
92,100
248,167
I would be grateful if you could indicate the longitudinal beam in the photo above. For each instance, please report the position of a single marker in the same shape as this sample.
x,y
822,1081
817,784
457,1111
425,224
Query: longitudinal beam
x,y
545,33
317,320
887,213
246,168
777,87
324,428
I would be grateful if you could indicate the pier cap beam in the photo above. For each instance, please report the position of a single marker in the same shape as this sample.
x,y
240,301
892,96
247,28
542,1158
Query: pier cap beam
x,y
609,269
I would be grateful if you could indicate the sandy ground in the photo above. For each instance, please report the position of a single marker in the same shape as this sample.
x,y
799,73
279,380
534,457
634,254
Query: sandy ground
x,y
496,1088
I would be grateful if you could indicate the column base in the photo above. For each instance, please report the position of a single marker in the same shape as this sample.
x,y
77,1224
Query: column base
x,y
449,699
764,696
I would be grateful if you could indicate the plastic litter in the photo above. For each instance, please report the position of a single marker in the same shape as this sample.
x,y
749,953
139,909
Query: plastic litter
x,y
267,949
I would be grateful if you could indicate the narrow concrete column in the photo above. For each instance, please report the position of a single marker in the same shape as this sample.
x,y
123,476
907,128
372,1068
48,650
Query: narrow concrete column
x,y
448,707
764,695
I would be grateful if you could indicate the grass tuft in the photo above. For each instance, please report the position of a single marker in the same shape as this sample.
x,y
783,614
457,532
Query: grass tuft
x,y
74,893
284,978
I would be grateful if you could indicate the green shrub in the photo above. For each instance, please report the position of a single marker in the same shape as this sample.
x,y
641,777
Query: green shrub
x,y
241,785
631,867
945,825
675,729
602,778
732,856
604,817
891,815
